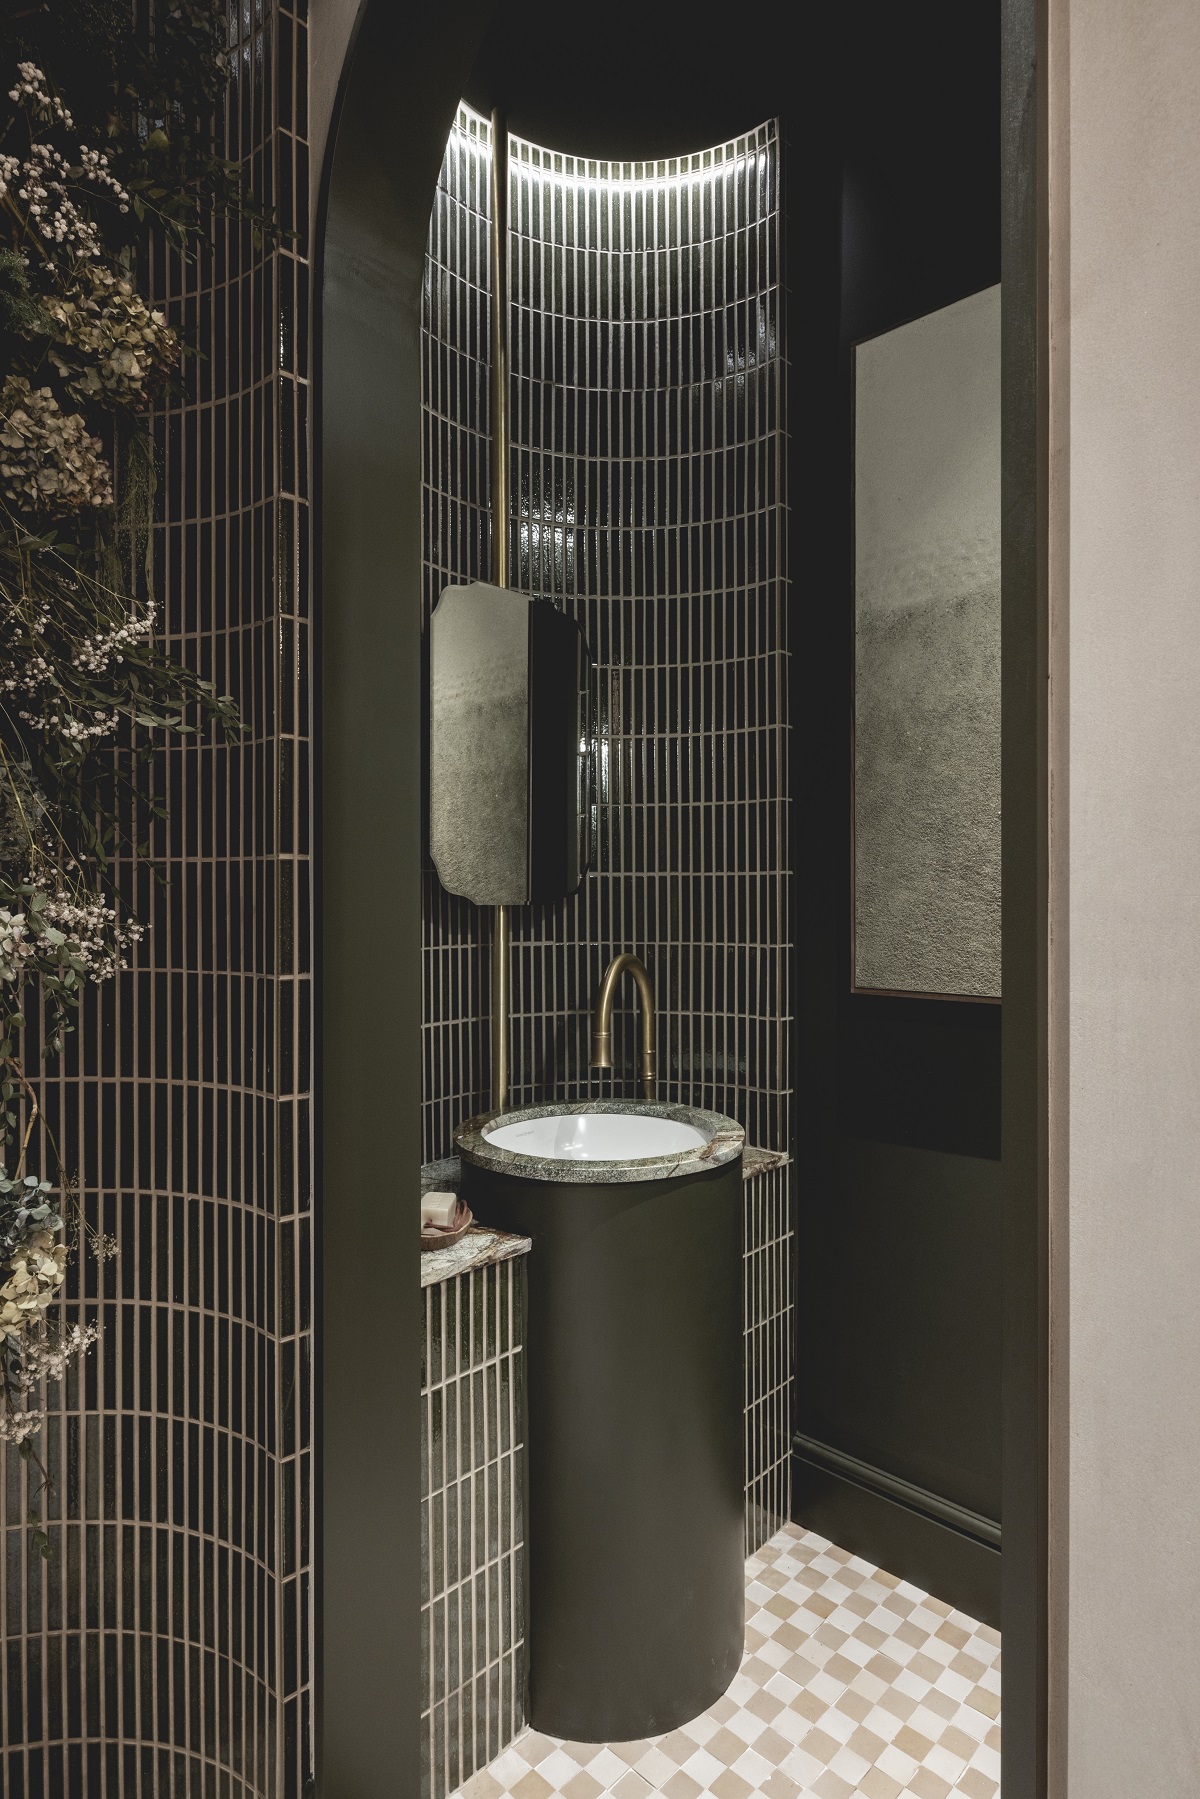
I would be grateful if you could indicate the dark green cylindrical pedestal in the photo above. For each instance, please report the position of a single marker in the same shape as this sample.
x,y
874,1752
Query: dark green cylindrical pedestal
x,y
634,1370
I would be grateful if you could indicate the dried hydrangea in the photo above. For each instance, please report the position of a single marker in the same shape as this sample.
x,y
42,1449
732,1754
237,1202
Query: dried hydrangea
x,y
34,1257
49,461
18,945
35,1260
110,347
38,1270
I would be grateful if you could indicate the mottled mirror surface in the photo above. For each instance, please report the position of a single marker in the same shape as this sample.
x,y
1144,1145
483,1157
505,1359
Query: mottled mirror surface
x,y
927,654
510,747
479,743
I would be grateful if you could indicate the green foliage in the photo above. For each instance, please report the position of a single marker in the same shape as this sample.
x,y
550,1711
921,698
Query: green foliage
x,y
24,1206
21,314
153,102
112,135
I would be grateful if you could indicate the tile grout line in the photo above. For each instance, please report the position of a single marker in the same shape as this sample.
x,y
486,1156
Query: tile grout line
x,y
853,1682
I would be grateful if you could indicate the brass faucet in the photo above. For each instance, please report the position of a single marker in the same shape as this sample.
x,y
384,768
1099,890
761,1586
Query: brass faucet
x,y
602,1020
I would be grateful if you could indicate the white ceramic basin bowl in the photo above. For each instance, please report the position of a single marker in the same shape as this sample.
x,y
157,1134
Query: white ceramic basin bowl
x,y
595,1137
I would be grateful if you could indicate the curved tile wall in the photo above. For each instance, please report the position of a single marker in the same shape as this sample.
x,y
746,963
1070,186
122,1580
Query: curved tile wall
x,y
648,481
456,490
163,1649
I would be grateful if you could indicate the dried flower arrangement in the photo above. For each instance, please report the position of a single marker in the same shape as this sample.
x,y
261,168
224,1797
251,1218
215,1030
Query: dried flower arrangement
x,y
110,136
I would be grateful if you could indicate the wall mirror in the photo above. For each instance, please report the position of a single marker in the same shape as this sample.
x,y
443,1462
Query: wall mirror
x,y
511,747
926,906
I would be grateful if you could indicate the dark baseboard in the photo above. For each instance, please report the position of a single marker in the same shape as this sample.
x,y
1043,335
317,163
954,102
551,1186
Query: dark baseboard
x,y
950,1552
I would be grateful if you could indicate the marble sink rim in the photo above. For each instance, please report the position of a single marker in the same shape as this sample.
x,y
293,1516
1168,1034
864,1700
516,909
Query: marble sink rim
x,y
726,1141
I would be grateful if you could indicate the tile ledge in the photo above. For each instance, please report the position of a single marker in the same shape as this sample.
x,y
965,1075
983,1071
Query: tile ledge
x,y
758,1161
478,1249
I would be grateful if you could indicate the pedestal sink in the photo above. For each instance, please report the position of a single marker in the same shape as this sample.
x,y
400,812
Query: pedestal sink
x,y
634,1373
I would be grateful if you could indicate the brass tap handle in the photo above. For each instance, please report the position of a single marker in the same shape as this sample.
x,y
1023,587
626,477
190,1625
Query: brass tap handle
x,y
602,1019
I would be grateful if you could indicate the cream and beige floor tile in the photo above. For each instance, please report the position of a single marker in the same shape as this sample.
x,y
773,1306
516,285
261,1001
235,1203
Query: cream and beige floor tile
x,y
853,1682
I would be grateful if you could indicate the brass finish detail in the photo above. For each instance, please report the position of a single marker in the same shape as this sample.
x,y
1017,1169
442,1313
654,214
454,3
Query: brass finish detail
x,y
501,933
501,1005
499,273
602,1020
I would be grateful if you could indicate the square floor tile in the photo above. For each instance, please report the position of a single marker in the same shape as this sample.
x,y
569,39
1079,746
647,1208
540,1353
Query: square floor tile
x,y
853,1683
632,1786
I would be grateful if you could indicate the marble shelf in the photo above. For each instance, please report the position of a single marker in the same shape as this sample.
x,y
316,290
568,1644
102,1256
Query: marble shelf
x,y
481,1245
446,1176
477,1249
757,1161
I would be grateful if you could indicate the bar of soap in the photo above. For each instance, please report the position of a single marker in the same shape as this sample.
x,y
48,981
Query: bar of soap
x,y
438,1209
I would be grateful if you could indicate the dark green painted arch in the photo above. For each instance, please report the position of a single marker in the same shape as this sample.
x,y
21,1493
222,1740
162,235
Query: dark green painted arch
x,y
404,74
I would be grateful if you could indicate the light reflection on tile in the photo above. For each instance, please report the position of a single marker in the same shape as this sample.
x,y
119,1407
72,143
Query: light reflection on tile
x,y
648,475
648,481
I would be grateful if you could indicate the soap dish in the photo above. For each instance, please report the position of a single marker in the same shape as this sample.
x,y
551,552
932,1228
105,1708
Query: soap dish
x,y
433,1236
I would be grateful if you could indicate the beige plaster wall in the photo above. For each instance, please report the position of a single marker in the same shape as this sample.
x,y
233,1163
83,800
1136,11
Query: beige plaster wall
x,y
1125,372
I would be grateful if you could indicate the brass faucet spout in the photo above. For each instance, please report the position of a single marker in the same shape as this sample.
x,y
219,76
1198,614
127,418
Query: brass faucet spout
x,y
602,1019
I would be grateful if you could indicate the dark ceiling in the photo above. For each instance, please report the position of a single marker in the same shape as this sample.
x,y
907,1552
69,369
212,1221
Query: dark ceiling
x,y
633,81
892,108
636,79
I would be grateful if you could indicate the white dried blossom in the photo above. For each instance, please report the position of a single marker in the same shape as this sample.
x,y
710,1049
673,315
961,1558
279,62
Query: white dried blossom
x,y
94,937
16,1426
59,927
34,673
46,178
95,167
32,92
47,1359
98,722
33,1357
110,346
97,652
43,181
49,460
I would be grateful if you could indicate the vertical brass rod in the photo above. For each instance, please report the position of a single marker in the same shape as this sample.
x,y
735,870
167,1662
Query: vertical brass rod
x,y
501,1006
499,272
501,930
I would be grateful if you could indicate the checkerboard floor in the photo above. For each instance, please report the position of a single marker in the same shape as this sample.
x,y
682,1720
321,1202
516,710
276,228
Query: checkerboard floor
x,y
852,1682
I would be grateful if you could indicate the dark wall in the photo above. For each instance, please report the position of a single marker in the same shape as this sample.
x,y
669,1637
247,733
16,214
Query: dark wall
x,y
400,92
880,128
892,122
898,1106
